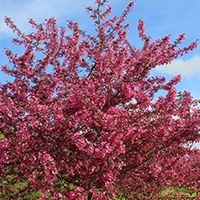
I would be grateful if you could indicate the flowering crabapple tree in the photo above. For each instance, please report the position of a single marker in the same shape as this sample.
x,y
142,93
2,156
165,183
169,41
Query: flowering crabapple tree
x,y
80,119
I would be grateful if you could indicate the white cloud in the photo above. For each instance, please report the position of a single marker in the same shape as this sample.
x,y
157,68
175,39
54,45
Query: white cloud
x,y
20,11
187,68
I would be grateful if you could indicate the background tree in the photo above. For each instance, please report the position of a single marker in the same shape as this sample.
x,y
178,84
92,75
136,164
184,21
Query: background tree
x,y
91,127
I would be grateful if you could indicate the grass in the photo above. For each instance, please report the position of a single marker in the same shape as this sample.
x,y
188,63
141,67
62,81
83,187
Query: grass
x,y
182,191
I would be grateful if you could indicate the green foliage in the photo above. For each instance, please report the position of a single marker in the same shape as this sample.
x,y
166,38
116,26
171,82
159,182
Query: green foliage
x,y
1,136
182,191
12,191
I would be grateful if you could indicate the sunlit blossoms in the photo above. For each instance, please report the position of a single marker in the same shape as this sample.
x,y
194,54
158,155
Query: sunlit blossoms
x,y
82,119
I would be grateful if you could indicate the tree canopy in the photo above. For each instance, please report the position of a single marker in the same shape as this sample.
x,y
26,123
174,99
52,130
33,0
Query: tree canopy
x,y
91,127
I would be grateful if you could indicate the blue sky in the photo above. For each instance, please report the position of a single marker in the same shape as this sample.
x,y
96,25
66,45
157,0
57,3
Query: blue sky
x,y
161,18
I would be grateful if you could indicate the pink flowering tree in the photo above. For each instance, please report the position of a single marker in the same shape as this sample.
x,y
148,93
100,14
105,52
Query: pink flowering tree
x,y
80,119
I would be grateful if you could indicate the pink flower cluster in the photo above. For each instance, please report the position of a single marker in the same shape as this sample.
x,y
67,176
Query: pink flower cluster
x,y
81,118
